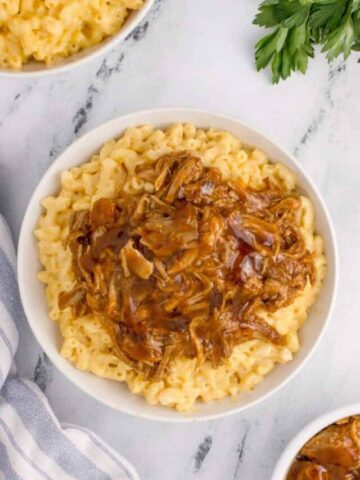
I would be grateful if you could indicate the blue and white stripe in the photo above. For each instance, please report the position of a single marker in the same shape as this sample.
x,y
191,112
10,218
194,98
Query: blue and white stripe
x,y
33,444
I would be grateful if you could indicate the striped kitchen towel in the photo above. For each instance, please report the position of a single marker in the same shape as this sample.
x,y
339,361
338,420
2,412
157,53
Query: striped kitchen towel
x,y
33,444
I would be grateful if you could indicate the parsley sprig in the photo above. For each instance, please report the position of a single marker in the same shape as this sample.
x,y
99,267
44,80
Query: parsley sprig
x,y
299,25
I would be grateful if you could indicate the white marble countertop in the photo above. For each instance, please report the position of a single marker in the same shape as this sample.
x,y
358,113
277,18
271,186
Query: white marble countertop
x,y
200,53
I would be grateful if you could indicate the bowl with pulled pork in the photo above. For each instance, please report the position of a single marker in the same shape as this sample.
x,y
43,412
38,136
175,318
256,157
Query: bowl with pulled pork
x,y
177,265
327,448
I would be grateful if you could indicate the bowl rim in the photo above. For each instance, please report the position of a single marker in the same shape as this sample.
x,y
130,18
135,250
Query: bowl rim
x,y
95,52
312,428
26,228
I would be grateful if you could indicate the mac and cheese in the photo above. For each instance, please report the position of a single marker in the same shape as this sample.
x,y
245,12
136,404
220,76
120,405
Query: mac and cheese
x,y
85,341
47,30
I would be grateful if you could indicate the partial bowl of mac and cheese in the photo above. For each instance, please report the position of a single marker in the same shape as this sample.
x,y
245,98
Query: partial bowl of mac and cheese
x,y
38,38
176,264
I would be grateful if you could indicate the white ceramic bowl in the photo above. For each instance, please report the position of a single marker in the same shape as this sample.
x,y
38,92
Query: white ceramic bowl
x,y
47,332
314,427
39,69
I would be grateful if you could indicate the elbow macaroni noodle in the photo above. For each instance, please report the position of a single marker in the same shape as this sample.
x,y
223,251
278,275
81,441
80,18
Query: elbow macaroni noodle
x,y
46,30
87,344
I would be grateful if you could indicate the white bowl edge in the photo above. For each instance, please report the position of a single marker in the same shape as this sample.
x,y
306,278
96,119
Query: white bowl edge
x,y
84,56
80,151
311,429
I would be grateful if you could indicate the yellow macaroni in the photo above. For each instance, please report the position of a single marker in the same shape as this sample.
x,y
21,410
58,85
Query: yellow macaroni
x,y
46,30
87,344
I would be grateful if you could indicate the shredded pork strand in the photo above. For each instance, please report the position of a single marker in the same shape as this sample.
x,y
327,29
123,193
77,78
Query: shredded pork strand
x,y
183,271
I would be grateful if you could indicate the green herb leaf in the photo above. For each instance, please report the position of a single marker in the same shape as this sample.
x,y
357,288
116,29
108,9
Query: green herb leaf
x,y
266,17
292,13
298,26
340,41
267,47
327,14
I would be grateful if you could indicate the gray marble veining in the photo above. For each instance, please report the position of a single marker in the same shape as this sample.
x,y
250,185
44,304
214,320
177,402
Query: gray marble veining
x,y
200,54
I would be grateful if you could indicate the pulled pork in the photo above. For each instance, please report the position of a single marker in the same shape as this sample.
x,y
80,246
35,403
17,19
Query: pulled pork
x,y
184,270
333,454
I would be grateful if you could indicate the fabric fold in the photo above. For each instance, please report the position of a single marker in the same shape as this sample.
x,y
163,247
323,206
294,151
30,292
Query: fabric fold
x,y
33,444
